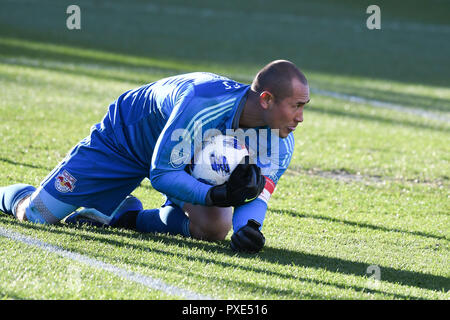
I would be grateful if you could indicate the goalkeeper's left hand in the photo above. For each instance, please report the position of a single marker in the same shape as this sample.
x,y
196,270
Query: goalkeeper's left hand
x,y
248,238
245,184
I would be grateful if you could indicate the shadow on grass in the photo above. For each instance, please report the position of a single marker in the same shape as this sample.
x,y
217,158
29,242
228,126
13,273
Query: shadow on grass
x,y
92,68
442,127
28,165
9,295
276,256
180,33
144,67
97,74
38,53
359,224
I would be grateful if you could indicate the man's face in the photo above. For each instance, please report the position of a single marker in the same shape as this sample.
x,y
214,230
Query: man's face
x,y
287,113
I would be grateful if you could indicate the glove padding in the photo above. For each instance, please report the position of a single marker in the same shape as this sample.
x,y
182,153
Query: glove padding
x,y
248,238
245,184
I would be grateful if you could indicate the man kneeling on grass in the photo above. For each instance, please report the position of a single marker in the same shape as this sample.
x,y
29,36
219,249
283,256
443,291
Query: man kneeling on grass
x,y
135,141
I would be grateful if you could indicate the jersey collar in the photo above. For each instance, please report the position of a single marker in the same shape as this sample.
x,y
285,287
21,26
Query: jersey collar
x,y
240,108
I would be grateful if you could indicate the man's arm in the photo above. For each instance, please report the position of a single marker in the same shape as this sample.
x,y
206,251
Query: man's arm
x,y
255,209
173,151
248,219
193,115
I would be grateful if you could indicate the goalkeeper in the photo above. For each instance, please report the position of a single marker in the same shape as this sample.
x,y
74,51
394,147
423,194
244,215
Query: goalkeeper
x,y
139,138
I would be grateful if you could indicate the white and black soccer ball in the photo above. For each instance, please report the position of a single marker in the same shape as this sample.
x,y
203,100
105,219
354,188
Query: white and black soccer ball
x,y
215,162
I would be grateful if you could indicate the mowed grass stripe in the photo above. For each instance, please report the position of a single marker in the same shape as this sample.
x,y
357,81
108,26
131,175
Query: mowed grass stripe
x,y
152,283
142,65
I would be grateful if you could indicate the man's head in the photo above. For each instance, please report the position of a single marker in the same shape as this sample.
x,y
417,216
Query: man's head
x,y
283,91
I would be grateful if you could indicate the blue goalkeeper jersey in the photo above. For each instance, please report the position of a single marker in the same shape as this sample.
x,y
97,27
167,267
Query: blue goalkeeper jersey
x,y
156,127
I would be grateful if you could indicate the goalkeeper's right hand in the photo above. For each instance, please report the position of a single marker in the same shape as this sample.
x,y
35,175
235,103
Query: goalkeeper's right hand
x,y
248,238
245,184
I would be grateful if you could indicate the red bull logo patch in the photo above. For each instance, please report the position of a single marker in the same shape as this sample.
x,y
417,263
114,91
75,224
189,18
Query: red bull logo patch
x,y
65,182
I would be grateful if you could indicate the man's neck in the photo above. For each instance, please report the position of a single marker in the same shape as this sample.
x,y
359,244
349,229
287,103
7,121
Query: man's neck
x,y
252,114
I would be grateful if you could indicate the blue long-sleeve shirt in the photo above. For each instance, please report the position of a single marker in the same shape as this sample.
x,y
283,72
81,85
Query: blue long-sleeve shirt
x,y
157,125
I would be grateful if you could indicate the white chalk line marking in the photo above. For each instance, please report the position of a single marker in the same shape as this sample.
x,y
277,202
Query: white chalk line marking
x,y
356,99
372,102
147,281
381,104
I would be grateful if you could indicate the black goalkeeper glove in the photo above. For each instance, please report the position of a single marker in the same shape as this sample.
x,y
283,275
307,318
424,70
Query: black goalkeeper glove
x,y
248,238
245,184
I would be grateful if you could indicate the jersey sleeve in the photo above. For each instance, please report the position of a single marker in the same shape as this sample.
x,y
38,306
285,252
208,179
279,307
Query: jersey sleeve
x,y
257,208
172,153
192,115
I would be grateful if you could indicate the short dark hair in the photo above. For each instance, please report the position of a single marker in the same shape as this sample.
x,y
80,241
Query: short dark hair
x,y
276,77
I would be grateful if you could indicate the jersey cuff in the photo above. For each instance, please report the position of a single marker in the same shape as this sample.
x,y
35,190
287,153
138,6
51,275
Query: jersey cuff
x,y
269,188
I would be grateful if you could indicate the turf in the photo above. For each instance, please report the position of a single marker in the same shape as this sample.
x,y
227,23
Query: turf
x,y
366,186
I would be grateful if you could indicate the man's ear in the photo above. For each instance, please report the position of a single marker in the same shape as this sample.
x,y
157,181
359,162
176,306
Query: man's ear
x,y
265,98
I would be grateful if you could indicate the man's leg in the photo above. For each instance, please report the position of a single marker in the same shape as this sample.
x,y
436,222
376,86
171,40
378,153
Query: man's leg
x,y
124,216
13,195
27,203
92,175
209,223
199,222
167,219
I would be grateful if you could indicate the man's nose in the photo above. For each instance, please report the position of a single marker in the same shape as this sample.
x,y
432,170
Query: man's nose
x,y
299,116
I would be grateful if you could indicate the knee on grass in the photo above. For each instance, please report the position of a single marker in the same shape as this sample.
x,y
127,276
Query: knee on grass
x,y
215,231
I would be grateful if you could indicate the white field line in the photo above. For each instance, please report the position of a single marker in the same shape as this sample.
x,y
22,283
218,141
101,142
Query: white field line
x,y
382,104
152,283
356,99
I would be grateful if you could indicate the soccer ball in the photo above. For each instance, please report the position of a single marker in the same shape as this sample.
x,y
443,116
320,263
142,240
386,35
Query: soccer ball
x,y
215,162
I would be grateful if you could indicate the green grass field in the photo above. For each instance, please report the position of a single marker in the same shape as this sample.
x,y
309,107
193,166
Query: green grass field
x,y
367,186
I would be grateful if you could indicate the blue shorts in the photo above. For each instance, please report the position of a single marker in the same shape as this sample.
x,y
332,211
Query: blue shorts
x,y
95,174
